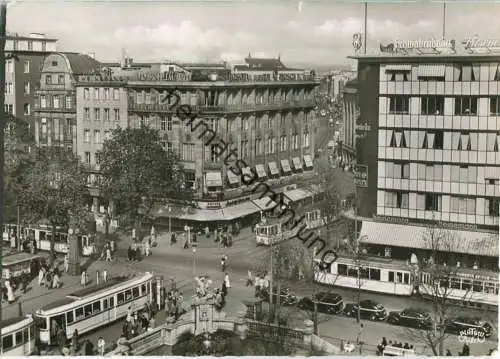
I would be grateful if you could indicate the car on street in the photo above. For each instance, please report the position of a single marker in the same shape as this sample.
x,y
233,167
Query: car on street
x,y
368,309
469,327
326,302
411,317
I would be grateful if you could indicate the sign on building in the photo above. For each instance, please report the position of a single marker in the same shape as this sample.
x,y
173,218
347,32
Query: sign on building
x,y
361,175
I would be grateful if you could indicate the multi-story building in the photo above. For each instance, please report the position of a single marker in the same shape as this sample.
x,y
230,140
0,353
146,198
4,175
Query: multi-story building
x,y
432,148
350,123
263,110
23,65
55,106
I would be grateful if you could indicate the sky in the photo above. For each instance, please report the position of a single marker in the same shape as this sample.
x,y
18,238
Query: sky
x,y
301,32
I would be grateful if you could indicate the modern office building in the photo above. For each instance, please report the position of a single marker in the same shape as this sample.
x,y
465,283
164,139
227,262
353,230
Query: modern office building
x,y
262,109
55,105
23,64
351,128
431,146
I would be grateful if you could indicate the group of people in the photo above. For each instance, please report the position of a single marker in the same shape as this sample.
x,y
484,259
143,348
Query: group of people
x,y
100,277
174,303
138,323
27,245
384,343
261,283
107,251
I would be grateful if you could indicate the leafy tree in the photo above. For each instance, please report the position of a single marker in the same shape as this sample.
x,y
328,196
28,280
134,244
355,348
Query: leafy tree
x,y
137,173
54,190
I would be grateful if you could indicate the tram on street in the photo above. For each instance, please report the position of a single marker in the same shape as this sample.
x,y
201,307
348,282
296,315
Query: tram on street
x,y
18,336
17,264
94,306
313,219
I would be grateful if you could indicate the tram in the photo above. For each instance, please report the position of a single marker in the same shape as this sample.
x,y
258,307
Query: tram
x,y
94,306
17,264
313,219
43,234
18,336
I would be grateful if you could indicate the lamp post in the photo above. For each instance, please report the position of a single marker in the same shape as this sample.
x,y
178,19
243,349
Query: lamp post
x,y
194,265
170,221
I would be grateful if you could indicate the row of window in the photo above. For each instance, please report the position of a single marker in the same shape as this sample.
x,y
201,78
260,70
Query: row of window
x,y
9,66
461,73
433,202
97,114
479,286
438,172
97,136
101,93
434,105
18,338
55,79
166,122
440,140
58,101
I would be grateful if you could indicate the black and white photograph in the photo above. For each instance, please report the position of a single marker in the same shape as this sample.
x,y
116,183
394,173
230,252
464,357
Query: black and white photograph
x,y
249,178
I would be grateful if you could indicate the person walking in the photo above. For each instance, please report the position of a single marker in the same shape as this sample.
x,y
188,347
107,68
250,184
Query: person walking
x,y
133,235
108,254
101,345
66,263
55,281
74,340
41,274
249,279
148,249
226,280
104,275
223,262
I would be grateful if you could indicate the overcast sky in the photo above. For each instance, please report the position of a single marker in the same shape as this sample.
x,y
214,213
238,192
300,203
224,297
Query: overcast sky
x,y
315,32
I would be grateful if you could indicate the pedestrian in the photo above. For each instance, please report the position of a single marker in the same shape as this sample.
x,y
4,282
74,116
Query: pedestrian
x,y
41,275
153,233
24,282
130,253
249,279
207,232
224,289
186,243
74,340
148,249
66,263
101,345
83,279
133,235
104,275
223,262
55,281
10,292
138,253
108,254
97,277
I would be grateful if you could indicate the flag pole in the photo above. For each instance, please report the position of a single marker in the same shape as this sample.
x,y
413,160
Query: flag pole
x,y
444,20
366,27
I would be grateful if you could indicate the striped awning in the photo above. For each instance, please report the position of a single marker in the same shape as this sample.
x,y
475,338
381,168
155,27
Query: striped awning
x,y
232,177
308,161
297,163
285,166
398,67
213,179
273,168
431,70
261,171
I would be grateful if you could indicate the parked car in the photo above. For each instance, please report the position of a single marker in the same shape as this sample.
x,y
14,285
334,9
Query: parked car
x,y
470,327
286,296
330,303
411,317
369,309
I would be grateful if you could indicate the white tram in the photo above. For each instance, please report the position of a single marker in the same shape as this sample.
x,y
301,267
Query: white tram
x,y
94,306
370,276
18,336
267,234
17,264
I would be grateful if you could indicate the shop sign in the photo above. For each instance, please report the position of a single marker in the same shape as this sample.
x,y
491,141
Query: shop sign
x,y
361,175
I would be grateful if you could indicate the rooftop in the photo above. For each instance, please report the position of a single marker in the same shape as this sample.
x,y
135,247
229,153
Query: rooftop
x,y
58,303
97,288
6,322
81,63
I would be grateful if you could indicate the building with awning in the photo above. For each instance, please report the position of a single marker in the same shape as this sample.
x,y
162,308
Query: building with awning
x,y
285,167
273,169
308,163
240,210
264,203
232,177
261,171
297,164
431,70
213,179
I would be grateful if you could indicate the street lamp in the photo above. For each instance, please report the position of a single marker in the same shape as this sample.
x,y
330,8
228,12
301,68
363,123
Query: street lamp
x,y
170,221
194,265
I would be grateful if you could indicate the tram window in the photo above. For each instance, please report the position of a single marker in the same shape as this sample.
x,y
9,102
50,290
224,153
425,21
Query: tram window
x,y
406,278
352,272
42,235
444,283
466,284
128,295
41,323
374,274
455,284
112,302
69,317
32,332
19,337
341,269
135,292
7,342
477,286
399,277
121,298
391,276
96,307
143,289
25,334
79,314
105,304
88,310
364,273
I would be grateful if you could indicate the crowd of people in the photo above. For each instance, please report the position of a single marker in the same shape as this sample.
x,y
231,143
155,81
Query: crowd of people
x,y
383,344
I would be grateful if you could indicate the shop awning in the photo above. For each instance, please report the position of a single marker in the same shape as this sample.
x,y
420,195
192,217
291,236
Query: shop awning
x,y
261,171
232,177
297,194
273,168
264,203
297,163
285,166
213,179
431,70
410,236
189,214
308,161
398,67
240,210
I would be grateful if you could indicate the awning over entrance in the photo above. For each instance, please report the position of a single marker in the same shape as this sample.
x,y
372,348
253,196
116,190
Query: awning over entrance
x,y
240,210
213,179
297,194
308,161
261,171
285,166
410,236
297,163
431,70
264,203
232,177
273,168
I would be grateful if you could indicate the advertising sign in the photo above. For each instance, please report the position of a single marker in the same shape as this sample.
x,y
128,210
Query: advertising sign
x,y
361,175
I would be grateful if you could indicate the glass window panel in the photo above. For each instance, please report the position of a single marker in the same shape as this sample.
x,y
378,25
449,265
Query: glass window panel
x,y
389,170
414,143
421,137
388,199
398,138
473,141
462,205
404,200
455,173
454,204
464,142
472,172
482,141
430,140
455,140
438,172
420,201
406,170
421,171
493,71
471,205
397,171
475,72
464,174
429,172
490,142
447,141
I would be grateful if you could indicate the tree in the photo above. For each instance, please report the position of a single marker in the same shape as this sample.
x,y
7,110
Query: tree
x,y
54,190
137,173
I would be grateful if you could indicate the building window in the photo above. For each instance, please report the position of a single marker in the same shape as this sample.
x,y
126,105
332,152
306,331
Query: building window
x,y
396,199
87,158
48,79
188,151
305,142
213,124
466,105
214,153
54,63
9,88
60,79
432,105
27,109
257,122
244,124
96,93
462,205
433,140
27,88
106,93
398,75
86,136
86,94
86,114
117,114
270,146
166,123
9,109
56,101
398,139
97,114
493,207
107,135
9,66
68,102
106,114
295,141
116,94
283,143
397,170
399,104
97,136
258,146
270,122
468,73
432,202
244,149
43,101
97,157
464,143
495,105
26,66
